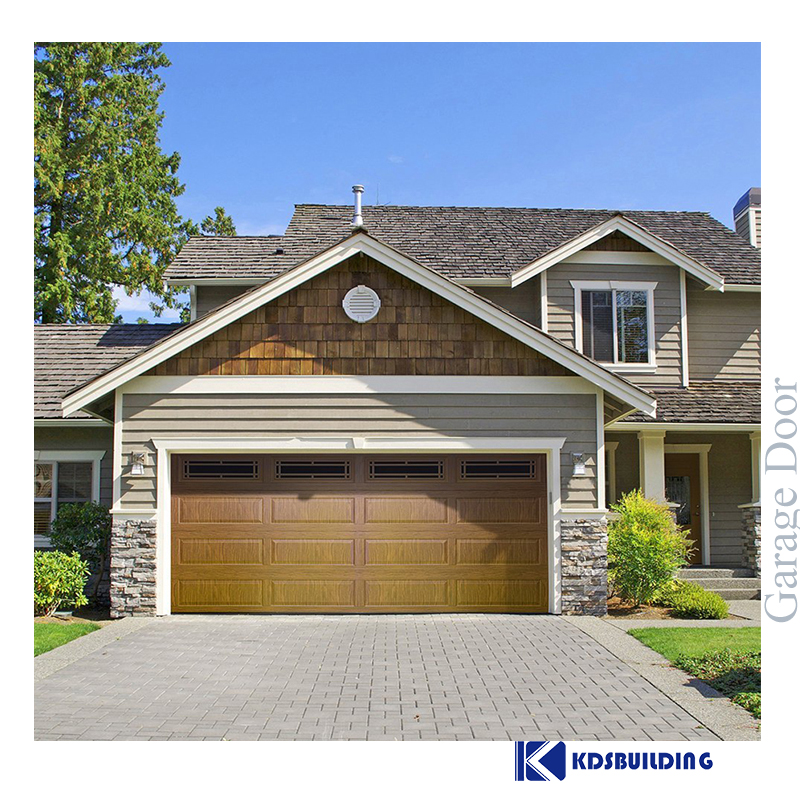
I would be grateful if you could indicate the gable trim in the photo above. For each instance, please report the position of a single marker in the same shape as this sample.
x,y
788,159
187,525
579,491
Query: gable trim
x,y
357,384
620,223
361,242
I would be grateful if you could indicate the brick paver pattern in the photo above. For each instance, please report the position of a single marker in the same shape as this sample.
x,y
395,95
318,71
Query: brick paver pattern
x,y
400,677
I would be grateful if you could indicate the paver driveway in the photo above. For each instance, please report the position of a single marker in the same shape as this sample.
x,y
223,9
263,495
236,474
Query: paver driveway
x,y
465,677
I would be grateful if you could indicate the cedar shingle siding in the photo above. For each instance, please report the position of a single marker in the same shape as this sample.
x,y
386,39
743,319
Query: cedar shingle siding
x,y
306,332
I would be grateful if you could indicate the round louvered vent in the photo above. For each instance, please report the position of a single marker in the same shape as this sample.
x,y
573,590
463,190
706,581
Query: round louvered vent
x,y
361,304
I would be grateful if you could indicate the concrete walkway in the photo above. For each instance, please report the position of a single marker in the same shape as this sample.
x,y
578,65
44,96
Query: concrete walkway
x,y
399,677
711,708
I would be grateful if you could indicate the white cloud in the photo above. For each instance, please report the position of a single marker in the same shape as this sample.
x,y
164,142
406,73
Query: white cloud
x,y
396,159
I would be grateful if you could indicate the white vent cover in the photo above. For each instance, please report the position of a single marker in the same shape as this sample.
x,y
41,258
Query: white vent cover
x,y
361,304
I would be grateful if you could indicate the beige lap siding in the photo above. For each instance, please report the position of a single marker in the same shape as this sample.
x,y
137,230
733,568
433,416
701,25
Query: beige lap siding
x,y
147,417
724,334
667,301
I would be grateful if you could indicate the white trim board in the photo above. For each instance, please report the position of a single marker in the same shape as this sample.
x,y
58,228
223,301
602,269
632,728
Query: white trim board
x,y
70,423
362,243
352,384
620,223
677,427
551,447
702,451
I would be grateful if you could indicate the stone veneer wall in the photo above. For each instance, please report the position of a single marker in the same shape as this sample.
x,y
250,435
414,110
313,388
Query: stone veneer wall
x,y
751,536
584,566
133,567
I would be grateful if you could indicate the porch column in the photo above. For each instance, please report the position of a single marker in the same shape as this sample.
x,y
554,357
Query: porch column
x,y
651,464
755,465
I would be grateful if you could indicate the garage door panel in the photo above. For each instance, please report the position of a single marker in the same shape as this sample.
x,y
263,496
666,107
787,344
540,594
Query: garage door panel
x,y
489,509
316,510
375,543
493,551
219,593
502,593
396,510
299,552
381,594
405,551
313,593
214,510
215,551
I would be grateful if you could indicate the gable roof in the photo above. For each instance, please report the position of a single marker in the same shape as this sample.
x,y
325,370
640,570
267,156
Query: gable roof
x,y
66,356
459,243
361,242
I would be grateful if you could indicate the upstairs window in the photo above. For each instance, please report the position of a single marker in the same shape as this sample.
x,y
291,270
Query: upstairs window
x,y
614,323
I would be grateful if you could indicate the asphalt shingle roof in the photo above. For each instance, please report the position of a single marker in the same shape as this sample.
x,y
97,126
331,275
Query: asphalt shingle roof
x,y
707,401
459,242
65,356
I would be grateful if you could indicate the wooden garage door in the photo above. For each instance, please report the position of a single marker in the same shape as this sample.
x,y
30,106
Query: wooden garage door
x,y
359,534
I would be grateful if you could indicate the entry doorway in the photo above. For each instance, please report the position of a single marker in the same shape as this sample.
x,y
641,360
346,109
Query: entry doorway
x,y
683,487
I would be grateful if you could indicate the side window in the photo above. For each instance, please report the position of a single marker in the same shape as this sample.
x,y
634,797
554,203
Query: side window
x,y
56,483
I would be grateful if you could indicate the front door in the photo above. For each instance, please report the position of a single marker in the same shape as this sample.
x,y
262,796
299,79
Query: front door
x,y
682,474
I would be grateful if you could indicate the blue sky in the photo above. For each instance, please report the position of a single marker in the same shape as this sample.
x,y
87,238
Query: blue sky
x,y
263,126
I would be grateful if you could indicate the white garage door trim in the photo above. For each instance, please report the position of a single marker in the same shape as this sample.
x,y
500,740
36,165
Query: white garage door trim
x,y
551,447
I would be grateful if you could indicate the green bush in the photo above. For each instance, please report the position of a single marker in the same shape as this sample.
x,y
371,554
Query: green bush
x,y
84,528
58,580
690,601
645,548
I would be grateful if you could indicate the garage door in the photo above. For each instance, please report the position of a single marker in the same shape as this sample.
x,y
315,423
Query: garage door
x,y
310,534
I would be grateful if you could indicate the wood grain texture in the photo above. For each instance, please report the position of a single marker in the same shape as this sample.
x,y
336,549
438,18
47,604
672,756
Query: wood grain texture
x,y
306,332
361,544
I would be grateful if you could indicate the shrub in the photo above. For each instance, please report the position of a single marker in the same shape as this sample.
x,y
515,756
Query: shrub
x,y
645,548
84,528
58,580
690,601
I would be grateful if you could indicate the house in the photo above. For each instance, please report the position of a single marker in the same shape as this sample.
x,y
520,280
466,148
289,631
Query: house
x,y
400,409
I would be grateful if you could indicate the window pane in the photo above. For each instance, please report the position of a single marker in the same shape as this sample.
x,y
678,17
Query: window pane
x,y
339,470
598,335
632,327
42,480
246,469
74,481
41,519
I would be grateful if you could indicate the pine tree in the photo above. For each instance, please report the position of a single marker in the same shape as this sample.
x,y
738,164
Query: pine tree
x,y
104,192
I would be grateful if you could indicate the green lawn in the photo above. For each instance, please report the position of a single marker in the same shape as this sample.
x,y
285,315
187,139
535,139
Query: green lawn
x,y
693,642
728,659
49,635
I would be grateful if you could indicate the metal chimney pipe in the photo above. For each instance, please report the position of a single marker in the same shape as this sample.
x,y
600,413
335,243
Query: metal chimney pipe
x,y
358,220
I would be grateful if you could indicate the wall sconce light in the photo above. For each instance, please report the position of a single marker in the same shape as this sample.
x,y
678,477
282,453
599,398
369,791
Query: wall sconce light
x,y
578,464
137,463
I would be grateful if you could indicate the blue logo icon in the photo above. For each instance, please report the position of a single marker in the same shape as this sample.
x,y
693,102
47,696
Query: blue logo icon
x,y
540,761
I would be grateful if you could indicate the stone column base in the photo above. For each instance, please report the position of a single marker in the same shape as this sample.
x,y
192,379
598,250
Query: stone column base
x,y
133,567
584,567
751,538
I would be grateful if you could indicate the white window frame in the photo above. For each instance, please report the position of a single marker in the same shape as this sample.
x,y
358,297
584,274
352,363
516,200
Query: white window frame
x,y
619,286
53,457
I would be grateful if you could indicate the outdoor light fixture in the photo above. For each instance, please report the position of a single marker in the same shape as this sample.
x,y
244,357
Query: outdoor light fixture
x,y
578,464
137,463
